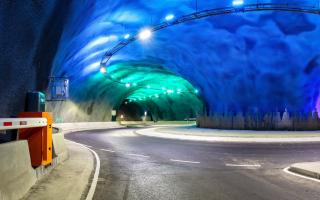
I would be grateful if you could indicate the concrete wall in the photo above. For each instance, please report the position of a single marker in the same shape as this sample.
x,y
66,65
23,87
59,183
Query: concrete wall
x,y
16,174
81,126
69,111
60,152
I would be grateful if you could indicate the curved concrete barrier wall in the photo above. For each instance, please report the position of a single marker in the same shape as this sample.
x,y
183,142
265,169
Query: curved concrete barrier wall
x,y
60,152
81,126
16,174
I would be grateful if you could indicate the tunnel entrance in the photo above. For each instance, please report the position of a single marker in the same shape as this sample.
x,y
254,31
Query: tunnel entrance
x,y
132,111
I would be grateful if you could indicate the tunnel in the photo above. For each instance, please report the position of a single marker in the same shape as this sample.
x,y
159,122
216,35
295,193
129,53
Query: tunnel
x,y
245,62
159,99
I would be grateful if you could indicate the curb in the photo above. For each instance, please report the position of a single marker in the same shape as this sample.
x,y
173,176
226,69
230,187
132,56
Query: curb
x,y
164,135
304,172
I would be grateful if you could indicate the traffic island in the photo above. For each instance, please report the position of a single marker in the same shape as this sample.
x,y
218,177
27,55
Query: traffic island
x,y
193,133
309,169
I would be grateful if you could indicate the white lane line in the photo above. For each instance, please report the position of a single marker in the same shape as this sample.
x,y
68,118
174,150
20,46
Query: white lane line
x,y
139,155
286,170
107,150
185,161
242,165
86,145
96,172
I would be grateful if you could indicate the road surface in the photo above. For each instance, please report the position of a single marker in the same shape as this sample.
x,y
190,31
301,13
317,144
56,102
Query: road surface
x,y
137,167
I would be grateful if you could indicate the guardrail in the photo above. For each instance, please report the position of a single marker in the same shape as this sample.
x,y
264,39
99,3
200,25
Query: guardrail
x,y
19,123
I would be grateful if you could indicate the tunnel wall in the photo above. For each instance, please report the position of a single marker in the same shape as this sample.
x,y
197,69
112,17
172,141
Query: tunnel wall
x,y
245,62
29,34
69,111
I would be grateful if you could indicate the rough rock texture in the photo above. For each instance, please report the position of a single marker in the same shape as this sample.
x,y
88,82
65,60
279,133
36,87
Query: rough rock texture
x,y
244,62
29,34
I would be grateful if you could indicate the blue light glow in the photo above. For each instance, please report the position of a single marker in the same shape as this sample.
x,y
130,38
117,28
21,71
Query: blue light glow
x,y
237,2
169,17
145,34
126,36
241,62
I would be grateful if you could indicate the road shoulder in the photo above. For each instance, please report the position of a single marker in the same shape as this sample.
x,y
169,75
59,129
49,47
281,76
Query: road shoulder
x,y
68,181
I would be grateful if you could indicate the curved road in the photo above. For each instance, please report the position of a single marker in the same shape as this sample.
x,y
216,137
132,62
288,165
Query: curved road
x,y
136,167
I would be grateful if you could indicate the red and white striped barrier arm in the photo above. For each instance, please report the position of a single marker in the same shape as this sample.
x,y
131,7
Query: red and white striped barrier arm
x,y
17,123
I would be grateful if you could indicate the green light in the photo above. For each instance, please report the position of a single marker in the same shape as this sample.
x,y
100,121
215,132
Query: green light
x,y
103,70
170,91
196,91
153,83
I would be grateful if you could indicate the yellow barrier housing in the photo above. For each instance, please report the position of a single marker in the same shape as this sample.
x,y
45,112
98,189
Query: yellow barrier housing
x,y
39,139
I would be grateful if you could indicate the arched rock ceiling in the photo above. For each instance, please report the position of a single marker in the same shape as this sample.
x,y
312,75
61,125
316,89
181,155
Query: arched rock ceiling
x,y
241,62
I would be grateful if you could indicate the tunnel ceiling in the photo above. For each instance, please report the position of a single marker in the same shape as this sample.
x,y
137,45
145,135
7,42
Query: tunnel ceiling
x,y
239,62
144,81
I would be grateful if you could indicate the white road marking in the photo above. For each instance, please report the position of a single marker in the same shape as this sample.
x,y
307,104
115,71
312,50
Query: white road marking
x,y
243,165
86,145
139,155
96,172
185,161
301,176
107,150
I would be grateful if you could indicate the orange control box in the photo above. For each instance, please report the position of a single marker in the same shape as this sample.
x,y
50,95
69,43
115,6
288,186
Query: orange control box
x,y
39,139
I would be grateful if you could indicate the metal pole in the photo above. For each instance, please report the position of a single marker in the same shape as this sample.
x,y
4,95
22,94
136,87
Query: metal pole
x,y
197,5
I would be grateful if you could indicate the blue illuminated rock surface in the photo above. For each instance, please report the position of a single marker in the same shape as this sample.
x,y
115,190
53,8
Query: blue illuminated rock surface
x,y
260,61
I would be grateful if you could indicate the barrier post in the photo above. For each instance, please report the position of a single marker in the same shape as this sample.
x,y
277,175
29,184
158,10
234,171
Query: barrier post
x,y
39,139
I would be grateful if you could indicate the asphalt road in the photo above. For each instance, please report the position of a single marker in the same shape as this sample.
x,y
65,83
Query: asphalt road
x,y
136,167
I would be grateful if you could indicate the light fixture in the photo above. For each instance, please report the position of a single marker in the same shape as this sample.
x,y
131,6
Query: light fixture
x,y
103,70
237,2
169,17
196,91
145,34
128,85
170,91
126,36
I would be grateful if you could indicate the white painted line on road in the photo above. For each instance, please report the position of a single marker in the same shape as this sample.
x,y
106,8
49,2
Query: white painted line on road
x,y
299,175
139,155
242,165
96,172
185,161
87,145
107,150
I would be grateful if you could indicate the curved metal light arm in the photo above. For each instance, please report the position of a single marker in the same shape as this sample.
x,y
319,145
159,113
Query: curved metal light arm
x,y
213,12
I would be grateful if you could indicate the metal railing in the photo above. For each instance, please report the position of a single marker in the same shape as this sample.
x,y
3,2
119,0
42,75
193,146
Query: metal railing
x,y
213,12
